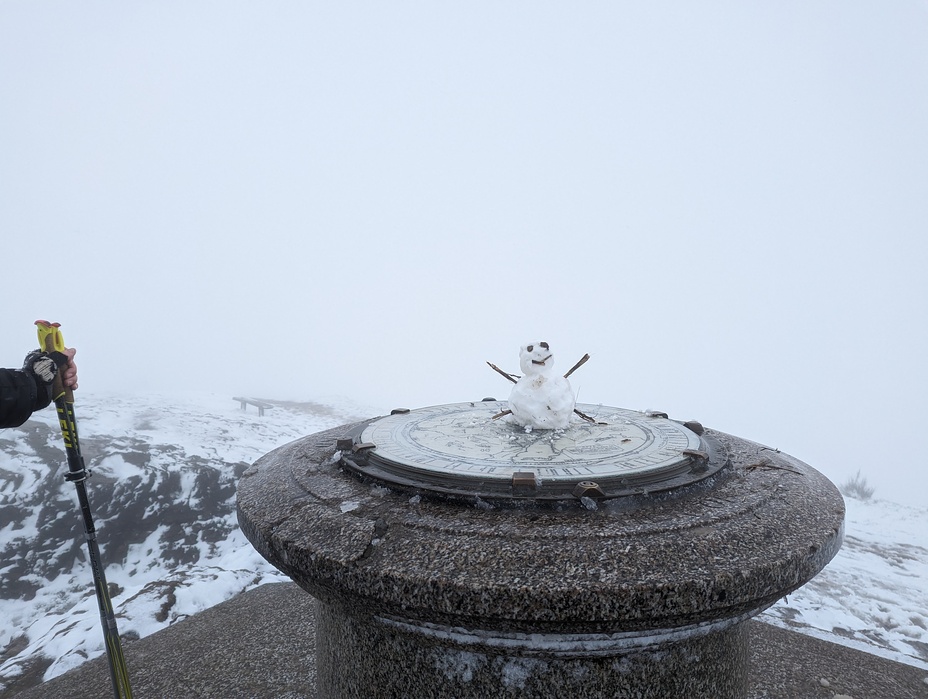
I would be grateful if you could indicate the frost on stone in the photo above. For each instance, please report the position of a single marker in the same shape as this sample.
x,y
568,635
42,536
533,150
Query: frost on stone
x,y
482,504
622,665
459,665
349,505
517,671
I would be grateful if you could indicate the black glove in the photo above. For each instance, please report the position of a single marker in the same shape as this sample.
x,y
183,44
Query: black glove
x,y
43,367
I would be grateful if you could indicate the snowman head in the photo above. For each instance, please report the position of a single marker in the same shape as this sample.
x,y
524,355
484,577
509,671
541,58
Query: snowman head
x,y
535,358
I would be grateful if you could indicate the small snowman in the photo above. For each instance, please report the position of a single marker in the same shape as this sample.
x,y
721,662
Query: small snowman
x,y
541,399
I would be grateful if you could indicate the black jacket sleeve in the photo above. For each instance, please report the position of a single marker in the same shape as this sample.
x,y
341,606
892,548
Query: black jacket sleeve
x,y
18,394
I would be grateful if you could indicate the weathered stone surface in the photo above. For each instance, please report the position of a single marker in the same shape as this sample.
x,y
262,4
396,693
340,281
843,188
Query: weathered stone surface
x,y
710,666
680,568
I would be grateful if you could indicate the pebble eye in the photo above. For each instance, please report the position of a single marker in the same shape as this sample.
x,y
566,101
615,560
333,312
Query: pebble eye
x,y
530,348
544,346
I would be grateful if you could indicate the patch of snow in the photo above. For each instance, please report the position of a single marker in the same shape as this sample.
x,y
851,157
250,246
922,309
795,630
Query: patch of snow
x,y
186,446
459,665
589,503
517,671
872,596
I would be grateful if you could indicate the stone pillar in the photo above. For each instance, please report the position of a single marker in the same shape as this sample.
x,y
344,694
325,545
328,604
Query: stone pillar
x,y
441,662
636,596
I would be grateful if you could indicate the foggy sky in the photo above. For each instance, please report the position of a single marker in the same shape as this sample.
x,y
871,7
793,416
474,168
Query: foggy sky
x,y
724,203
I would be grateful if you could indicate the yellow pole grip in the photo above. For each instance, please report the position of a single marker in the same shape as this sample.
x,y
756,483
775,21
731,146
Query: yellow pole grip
x,y
51,340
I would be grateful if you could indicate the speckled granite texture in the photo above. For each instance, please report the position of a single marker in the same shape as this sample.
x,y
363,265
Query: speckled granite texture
x,y
712,666
662,570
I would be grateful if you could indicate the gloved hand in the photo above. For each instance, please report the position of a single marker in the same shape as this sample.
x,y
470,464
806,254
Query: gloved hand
x,y
43,367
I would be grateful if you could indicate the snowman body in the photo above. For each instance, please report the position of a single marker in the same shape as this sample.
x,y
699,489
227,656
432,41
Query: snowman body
x,y
541,399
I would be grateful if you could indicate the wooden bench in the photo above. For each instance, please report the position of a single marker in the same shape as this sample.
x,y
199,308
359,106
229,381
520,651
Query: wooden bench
x,y
261,405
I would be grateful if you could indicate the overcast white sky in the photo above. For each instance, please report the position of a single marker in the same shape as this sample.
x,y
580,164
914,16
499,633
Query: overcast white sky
x,y
724,203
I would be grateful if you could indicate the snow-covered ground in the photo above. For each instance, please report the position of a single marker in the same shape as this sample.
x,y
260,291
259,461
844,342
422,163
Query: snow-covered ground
x,y
163,498
874,594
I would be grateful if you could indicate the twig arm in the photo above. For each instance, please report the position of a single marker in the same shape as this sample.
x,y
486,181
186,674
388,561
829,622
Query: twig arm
x,y
587,417
583,360
495,368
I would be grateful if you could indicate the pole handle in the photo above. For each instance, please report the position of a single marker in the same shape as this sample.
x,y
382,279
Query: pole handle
x,y
51,340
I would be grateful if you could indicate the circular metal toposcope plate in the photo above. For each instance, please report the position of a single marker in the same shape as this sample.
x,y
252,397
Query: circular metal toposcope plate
x,y
462,449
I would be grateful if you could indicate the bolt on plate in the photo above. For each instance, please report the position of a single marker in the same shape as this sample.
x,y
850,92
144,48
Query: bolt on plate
x,y
588,489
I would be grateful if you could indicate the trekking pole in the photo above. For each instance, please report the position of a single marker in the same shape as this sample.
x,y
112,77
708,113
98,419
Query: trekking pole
x,y
50,340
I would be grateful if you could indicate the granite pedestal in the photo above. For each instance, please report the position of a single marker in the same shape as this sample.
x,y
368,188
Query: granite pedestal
x,y
638,596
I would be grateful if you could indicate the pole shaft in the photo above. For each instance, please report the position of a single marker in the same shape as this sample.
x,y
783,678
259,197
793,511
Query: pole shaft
x,y
50,340
117,663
